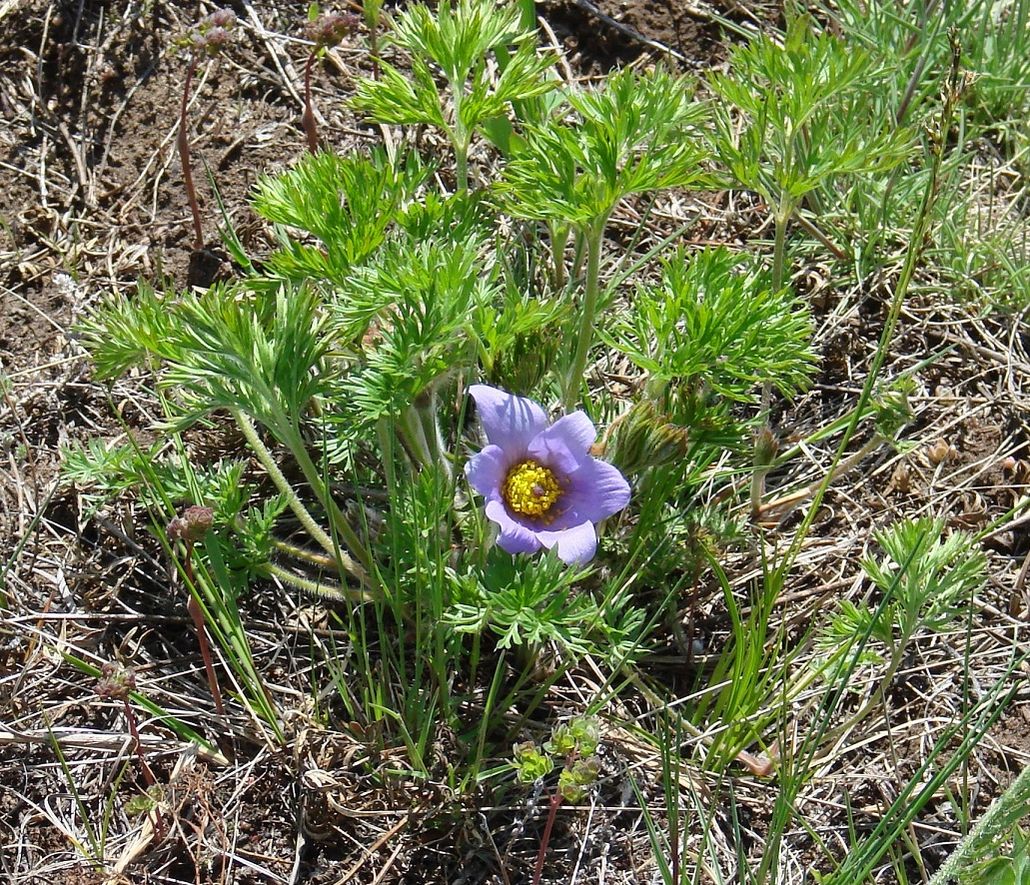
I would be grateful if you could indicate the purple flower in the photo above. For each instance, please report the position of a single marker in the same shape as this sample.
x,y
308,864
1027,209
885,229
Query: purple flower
x,y
540,483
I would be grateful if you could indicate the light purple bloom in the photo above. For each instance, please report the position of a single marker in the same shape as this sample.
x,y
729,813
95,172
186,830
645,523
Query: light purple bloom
x,y
541,485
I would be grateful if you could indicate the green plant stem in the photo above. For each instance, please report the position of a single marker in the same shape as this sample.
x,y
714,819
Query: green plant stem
x,y
920,228
318,588
360,564
916,244
460,139
594,238
879,695
780,221
429,419
559,240
461,159
413,434
1002,814
386,452
318,534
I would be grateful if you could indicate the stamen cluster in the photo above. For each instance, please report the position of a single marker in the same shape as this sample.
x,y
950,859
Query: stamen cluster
x,y
531,489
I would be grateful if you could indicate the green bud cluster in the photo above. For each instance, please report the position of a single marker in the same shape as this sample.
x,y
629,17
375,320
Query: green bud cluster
x,y
644,438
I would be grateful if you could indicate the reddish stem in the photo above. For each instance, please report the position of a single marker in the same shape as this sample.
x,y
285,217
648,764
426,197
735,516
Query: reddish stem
x,y
308,120
198,622
183,143
148,774
373,39
546,838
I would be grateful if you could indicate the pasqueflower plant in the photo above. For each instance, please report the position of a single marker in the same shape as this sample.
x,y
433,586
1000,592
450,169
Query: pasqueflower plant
x,y
541,485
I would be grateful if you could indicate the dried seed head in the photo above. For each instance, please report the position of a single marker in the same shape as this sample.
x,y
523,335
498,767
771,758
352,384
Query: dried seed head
x,y
901,478
115,682
330,28
211,34
220,18
194,523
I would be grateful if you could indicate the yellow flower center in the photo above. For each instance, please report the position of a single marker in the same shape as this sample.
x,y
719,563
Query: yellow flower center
x,y
530,489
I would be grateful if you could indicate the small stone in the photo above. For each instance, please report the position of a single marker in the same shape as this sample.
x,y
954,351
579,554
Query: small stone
x,y
941,451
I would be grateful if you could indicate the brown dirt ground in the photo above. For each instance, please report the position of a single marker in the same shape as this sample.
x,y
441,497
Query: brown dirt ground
x,y
92,202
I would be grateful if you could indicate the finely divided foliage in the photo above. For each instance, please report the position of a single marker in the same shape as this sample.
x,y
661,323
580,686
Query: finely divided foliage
x,y
418,371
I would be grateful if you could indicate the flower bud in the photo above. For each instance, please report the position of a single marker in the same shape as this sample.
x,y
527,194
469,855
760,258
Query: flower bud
x,y
643,438
529,357
573,782
214,41
766,447
211,34
531,763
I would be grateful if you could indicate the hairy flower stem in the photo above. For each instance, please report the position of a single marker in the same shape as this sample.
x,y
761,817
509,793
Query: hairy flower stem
x,y
460,139
360,560
308,118
780,220
319,588
784,504
1000,817
318,534
559,240
594,238
193,607
183,142
430,424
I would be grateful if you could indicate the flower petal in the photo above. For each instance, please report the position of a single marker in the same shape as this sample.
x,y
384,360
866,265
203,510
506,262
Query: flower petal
x,y
486,471
564,445
576,545
514,537
509,421
595,491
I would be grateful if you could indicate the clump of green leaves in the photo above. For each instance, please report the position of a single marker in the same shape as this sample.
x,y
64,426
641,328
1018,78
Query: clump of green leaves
x,y
532,604
716,324
925,583
457,40
801,103
347,203
635,134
